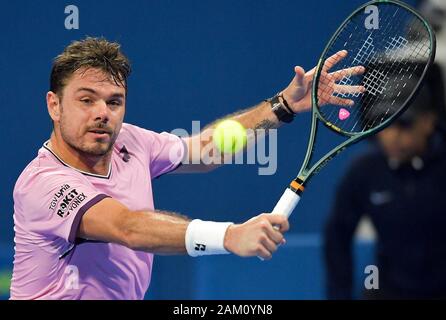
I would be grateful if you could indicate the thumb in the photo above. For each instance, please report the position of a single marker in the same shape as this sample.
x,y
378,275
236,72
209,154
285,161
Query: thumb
x,y
300,75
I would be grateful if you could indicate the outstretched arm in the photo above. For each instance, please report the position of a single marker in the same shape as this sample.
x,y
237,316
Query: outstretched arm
x,y
298,97
170,233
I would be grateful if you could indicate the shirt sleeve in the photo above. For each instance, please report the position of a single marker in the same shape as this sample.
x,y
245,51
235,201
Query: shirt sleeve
x,y
165,151
51,203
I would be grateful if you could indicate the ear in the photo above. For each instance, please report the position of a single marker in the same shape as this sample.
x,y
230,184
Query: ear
x,y
53,105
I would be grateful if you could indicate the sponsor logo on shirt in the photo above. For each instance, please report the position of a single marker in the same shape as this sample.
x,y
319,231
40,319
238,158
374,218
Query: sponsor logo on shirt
x,y
58,195
70,202
125,154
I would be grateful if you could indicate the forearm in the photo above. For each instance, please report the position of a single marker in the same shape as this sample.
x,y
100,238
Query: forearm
x,y
294,99
158,232
170,233
260,116
204,156
167,233
155,232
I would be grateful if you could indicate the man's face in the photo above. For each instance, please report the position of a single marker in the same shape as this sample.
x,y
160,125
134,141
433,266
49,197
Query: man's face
x,y
92,110
402,143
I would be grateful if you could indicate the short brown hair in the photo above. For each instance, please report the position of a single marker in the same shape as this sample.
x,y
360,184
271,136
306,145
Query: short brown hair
x,y
90,53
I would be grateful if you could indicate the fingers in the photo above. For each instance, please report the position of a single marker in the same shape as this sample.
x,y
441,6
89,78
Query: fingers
x,y
341,101
259,236
330,92
311,72
348,72
266,248
279,221
300,76
273,234
345,89
273,226
263,253
333,60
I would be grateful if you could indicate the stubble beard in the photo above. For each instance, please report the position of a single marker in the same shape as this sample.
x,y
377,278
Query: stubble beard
x,y
98,149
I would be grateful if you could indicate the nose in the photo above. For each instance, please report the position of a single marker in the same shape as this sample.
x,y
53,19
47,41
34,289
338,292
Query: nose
x,y
101,112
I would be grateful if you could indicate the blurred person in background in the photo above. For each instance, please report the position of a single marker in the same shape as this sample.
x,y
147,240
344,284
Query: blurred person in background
x,y
400,186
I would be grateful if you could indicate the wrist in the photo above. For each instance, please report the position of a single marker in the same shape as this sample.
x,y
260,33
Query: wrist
x,y
284,99
228,237
281,109
206,237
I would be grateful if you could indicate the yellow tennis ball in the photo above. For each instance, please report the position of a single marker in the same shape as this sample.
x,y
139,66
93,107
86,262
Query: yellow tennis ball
x,y
229,136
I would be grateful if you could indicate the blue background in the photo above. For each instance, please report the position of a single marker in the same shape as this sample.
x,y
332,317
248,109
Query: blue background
x,y
192,60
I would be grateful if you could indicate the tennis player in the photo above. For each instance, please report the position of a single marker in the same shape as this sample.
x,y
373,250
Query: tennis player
x,y
83,207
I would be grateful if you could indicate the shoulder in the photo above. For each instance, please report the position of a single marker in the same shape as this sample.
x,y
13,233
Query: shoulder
x,y
131,135
137,138
130,132
43,175
163,151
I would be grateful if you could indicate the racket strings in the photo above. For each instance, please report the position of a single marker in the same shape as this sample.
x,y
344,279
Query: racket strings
x,y
400,71
365,56
394,57
362,57
385,89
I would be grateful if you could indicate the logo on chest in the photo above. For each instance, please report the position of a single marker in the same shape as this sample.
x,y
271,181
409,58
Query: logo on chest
x,y
125,156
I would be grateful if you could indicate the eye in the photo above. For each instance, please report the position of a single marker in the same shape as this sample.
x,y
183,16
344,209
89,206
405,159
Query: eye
x,y
115,103
87,101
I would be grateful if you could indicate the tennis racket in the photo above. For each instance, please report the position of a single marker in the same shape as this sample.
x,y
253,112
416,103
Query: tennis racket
x,y
367,76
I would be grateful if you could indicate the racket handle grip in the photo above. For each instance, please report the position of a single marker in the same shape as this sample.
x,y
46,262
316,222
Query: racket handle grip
x,y
287,203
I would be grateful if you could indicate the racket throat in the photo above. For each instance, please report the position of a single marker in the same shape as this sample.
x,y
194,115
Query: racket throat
x,y
297,186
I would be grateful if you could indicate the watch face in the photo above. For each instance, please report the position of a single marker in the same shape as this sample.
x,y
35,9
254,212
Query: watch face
x,y
280,110
277,106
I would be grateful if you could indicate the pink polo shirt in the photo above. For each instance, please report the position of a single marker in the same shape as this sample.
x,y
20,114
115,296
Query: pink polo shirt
x,y
50,198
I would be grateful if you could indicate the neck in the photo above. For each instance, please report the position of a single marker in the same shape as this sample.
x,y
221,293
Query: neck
x,y
94,164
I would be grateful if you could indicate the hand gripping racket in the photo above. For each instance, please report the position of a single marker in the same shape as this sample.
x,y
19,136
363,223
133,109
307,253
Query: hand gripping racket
x,y
382,52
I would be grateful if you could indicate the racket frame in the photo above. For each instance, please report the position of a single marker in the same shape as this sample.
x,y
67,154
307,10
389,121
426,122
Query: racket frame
x,y
306,173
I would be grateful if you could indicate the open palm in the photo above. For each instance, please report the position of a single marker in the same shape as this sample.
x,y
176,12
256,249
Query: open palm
x,y
298,92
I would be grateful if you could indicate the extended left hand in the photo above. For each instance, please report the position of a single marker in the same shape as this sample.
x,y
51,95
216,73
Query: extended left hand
x,y
298,92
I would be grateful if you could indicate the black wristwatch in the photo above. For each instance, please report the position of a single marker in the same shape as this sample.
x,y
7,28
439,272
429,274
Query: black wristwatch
x,y
281,110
